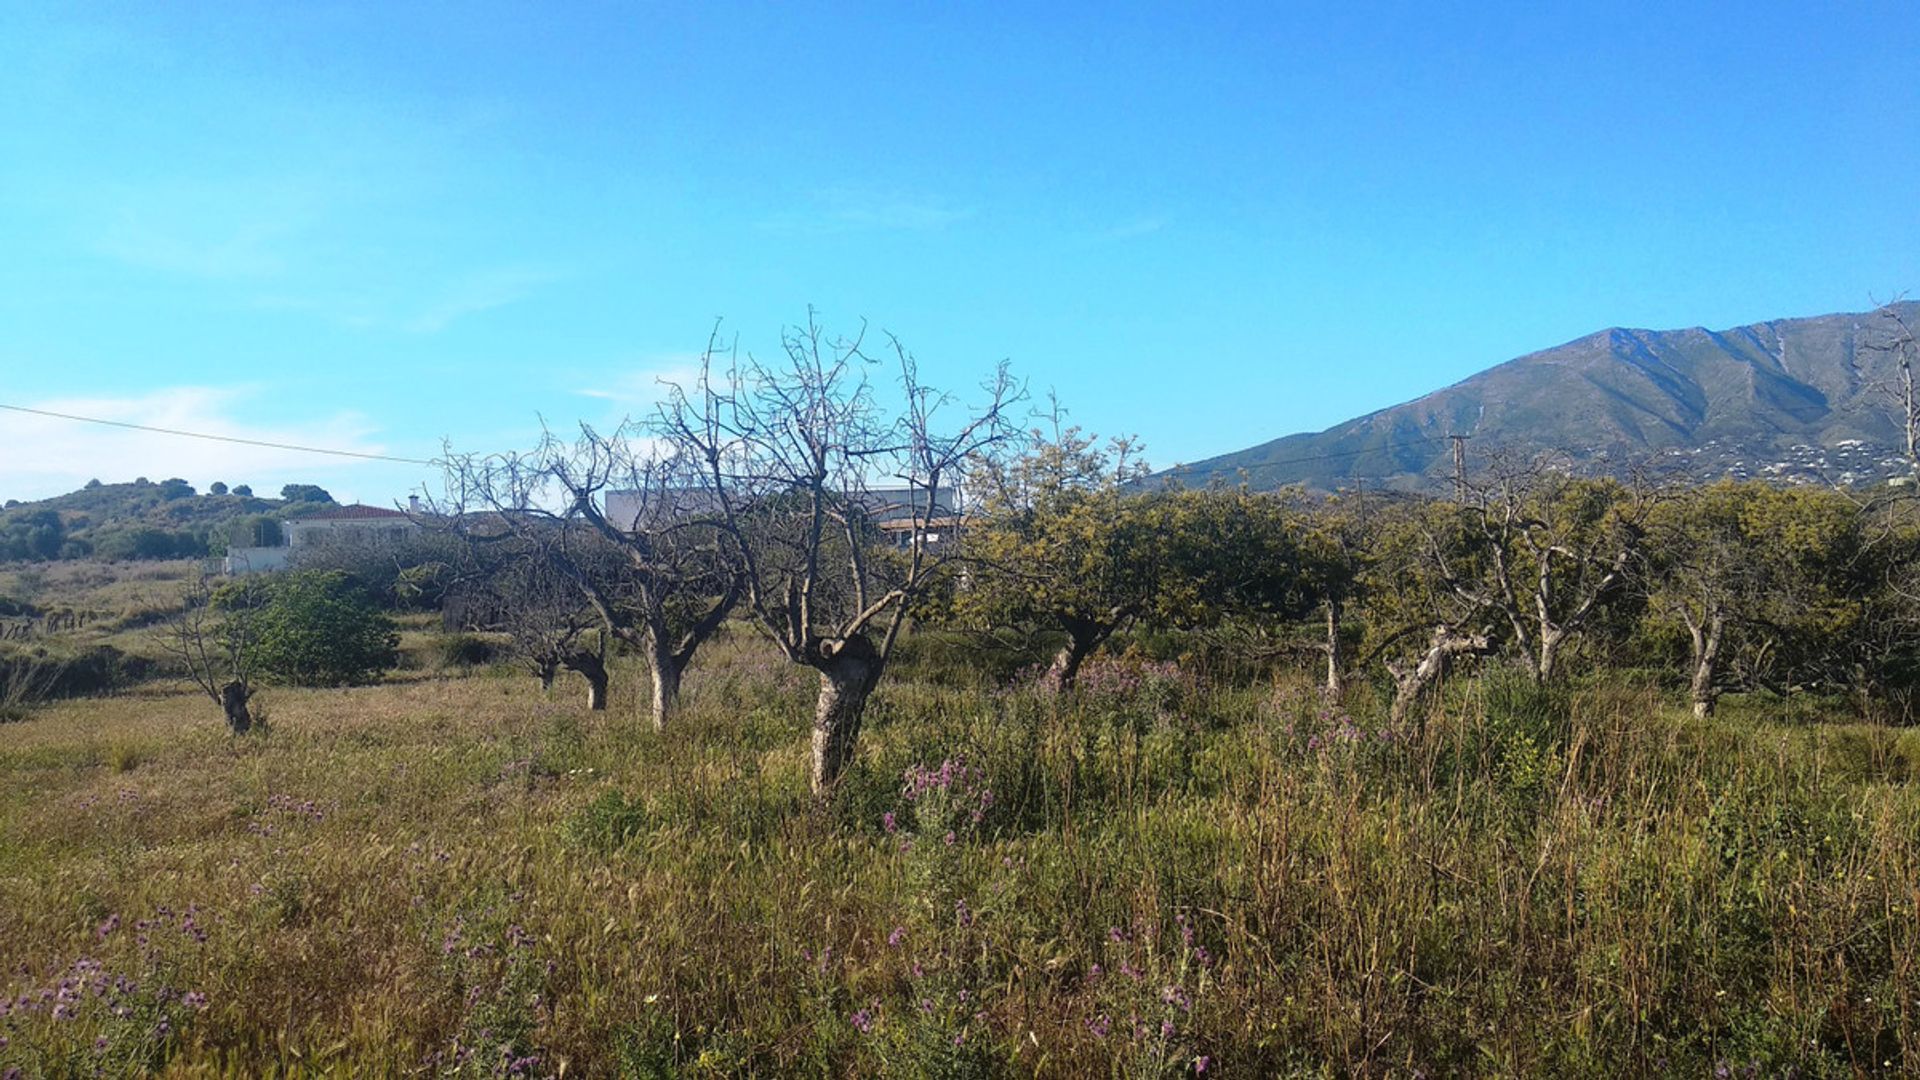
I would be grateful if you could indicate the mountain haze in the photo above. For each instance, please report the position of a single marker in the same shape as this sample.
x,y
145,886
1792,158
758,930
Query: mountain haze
x,y
1794,399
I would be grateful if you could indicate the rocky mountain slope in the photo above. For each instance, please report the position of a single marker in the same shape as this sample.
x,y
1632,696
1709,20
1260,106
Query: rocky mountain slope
x,y
1794,399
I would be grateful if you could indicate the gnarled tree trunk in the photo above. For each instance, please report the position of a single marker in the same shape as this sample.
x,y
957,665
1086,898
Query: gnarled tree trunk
x,y
1551,638
666,669
1702,688
1411,685
849,670
1084,636
592,666
1336,688
233,702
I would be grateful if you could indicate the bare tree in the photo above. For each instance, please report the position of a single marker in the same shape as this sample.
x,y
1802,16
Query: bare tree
x,y
215,637
551,627
1896,338
1542,551
26,681
609,515
793,455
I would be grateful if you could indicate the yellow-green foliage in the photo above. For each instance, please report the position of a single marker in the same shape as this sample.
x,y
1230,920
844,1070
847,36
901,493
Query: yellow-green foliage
x,y
464,875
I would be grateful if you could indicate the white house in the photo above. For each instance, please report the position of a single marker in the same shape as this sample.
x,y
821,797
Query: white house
x,y
352,524
895,511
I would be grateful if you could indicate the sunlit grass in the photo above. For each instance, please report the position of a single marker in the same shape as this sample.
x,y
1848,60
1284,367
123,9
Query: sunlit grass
x,y
459,874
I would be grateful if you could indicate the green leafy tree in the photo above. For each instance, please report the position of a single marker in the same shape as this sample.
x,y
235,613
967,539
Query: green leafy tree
x,y
1336,559
1067,546
302,493
35,536
243,490
255,530
317,628
216,488
1709,569
1540,551
1061,546
149,542
1415,626
1781,589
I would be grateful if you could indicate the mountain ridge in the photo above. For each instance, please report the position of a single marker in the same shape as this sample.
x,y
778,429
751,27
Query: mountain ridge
x,y
1796,399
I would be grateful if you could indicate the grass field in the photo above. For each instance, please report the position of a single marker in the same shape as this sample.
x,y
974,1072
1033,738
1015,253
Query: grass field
x,y
459,875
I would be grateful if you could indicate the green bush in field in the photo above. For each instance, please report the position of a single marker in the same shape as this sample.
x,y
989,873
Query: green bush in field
x,y
318,629
148,542
465,651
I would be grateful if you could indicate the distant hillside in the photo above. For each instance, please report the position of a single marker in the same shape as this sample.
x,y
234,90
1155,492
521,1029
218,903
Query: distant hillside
x,y
140,520
1793,399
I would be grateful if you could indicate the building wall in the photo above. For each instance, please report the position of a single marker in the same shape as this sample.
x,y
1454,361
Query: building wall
x,y
256,560
304,534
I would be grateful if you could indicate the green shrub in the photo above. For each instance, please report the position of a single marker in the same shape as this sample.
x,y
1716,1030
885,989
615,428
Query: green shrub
x,y
464,651
608,823
317,629
148,542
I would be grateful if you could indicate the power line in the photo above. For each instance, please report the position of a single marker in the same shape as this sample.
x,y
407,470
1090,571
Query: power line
x,y
218,438
1335,455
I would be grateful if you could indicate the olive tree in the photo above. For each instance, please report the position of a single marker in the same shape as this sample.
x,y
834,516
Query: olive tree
x,y
1540,551
1061,544
1784,589
1419,627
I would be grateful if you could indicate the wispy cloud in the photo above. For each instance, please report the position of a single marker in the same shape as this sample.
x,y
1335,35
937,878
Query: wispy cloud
x,y
430,311
47,455
220,227
648,382
476,294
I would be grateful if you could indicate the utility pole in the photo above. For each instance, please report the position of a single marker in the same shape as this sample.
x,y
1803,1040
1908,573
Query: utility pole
x,y
1460,467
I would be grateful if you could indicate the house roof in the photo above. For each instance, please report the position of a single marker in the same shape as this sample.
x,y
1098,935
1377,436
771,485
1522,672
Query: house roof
x,y
906,524
353,512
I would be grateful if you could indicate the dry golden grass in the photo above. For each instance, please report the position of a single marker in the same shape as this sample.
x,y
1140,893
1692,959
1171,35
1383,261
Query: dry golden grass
x,y
1581,883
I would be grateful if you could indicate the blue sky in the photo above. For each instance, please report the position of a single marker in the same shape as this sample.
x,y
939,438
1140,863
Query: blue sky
x,y
375,226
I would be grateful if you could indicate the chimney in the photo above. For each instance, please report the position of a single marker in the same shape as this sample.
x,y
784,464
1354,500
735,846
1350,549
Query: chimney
x,y
413,505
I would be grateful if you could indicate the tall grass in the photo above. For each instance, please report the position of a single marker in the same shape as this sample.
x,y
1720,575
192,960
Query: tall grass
x,y
1148,878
